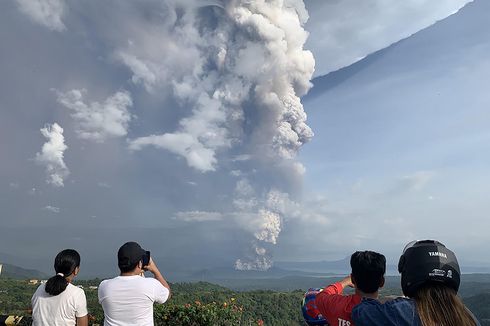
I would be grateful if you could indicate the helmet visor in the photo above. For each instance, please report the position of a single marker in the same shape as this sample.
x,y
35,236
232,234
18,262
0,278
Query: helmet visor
x,y
410,245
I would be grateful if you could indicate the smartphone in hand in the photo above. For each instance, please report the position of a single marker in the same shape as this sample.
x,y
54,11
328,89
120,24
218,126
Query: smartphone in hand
x,y
146,259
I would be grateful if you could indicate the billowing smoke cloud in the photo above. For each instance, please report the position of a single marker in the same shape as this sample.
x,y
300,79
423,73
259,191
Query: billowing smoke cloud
x,y
98,121
51,155
241,67
262,218
259,259
234,72
44,12
246,72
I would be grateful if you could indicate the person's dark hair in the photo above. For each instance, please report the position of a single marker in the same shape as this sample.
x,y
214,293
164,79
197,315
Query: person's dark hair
x,y
368,269
128,268
64,265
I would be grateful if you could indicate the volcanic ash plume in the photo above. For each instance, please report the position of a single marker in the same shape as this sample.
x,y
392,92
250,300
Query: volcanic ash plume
x,y
262,218
266,226
241,68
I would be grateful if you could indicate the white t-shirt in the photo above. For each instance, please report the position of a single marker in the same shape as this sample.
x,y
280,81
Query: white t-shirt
x,y
58,310
128,300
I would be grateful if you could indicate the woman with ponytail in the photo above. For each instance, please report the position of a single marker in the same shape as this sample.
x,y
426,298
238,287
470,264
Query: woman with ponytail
x,y
58,302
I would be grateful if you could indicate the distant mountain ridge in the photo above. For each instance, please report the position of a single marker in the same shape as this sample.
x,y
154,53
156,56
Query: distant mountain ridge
x,y
335,267
342,267
16,272
460,26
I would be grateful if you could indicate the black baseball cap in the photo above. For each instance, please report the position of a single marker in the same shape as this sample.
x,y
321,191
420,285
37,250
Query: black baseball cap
x,y
130,254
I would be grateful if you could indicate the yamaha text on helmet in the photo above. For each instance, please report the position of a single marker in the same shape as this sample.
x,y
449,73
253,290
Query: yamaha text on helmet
x,y
427,261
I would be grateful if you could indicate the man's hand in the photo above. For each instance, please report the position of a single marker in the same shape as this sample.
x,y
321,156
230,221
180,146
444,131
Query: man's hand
x,y
151,267
347,282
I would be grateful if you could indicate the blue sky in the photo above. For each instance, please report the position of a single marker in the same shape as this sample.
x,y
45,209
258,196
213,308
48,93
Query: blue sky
x,y
402,136
182,128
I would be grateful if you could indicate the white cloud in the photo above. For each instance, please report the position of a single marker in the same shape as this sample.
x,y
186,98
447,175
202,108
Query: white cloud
x,y
98,121
183,144
242,157
411,183
198,216
52,209
14,185
236,173
343,32
418,180
104,185
48,13
141,72
52,153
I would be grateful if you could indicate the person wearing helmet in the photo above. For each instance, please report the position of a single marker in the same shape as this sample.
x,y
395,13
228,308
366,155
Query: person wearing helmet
x,y
311,314
430,278
368,270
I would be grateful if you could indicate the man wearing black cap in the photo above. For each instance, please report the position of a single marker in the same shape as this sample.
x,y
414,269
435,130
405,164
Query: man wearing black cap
x,y
128,299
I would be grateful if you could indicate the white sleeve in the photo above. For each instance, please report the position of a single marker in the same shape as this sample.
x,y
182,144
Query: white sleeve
x,y
101,292
34,296
81,304
160,293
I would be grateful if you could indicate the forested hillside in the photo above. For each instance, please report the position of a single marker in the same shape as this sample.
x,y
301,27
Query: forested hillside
x,y
208,304
480,305
191,304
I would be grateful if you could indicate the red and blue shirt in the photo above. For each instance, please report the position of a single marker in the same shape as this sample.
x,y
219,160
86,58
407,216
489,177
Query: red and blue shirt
x,y
335,307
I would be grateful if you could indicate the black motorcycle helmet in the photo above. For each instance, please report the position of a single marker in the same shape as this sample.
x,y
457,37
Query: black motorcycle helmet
x,y
427,261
